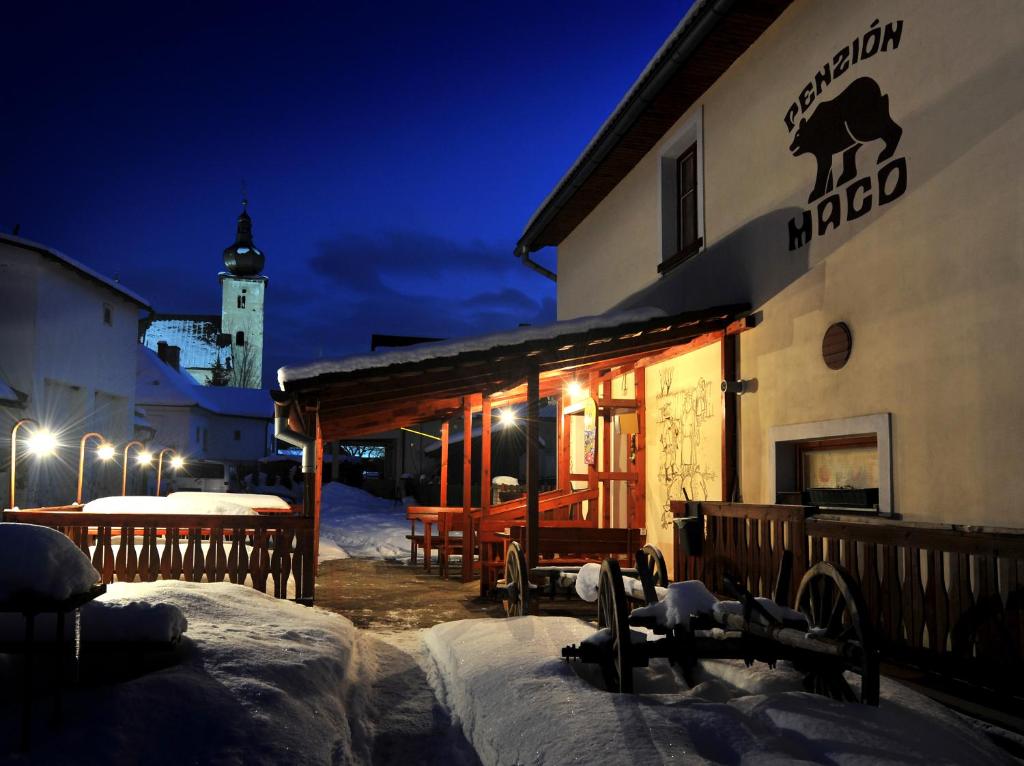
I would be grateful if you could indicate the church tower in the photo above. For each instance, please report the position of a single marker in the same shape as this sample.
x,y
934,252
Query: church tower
x,y
243,289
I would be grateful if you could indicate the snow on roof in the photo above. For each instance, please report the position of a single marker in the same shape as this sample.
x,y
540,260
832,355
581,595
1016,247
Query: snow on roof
x,y
81,268
196,336
159,384
451,348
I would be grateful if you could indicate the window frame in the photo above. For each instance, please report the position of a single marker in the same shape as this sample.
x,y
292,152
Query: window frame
x,y
686,141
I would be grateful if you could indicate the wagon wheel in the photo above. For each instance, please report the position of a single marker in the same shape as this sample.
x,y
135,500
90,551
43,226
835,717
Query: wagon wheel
x,y
832,603
656,564
612,613
517,588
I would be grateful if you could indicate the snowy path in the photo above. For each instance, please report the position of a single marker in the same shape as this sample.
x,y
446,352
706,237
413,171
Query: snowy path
x,y
406,723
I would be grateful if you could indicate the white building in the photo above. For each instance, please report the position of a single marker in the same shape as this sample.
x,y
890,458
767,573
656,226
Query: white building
x,y
229,347
202,422
67,354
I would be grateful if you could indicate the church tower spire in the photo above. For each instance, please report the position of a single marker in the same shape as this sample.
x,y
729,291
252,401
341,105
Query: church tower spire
x,y
244,290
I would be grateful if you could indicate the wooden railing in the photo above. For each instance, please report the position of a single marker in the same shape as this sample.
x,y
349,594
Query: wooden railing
x,y
269,553
941,598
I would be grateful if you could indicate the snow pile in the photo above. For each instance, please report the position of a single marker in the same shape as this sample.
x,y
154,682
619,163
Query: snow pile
x,y
210,499
590,574
681,600
39,562
176,502
356,524
113,617
518,702
260,681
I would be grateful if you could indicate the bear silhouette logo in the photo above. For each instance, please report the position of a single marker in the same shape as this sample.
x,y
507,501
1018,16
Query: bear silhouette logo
x,y
853,118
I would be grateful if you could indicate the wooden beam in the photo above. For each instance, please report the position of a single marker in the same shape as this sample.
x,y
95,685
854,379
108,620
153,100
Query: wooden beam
x,y
640,488
606,459
485,456
533,467
468,547
730,477
444,464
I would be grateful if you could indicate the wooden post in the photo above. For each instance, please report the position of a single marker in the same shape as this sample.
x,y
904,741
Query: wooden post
x,y
562,421
730,476
639,384
467,488
606,456
335,466
485,457
593,506
532,467
444,464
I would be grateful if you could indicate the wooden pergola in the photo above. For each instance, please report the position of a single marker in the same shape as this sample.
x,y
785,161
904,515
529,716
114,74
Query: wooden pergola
x,y
394,391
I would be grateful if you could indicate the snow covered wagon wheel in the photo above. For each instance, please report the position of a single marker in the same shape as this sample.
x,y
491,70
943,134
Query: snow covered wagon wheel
x,y
613,614
656,565
832,603
517,587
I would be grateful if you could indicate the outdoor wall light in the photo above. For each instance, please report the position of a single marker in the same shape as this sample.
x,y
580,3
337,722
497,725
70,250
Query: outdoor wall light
x,y
176,462
104,452
124,467
41,443
507,416
574,389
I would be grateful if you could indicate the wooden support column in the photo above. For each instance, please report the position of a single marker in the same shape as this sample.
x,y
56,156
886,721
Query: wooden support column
x,y
468,548
640,513
532,467
564,436
730,476
593,506
444,464
606,458
485,457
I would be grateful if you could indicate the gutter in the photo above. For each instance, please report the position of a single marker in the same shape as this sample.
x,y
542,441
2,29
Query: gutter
x,y
690,33
282,432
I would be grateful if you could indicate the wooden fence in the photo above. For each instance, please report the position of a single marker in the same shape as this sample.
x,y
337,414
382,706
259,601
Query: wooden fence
x,y
269,553
944,599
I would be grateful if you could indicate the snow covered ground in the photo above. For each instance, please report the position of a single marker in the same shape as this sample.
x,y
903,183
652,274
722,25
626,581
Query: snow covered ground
x,y
354,523
519,703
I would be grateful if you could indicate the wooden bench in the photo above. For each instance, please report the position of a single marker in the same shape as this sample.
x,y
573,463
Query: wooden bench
x,y
569,544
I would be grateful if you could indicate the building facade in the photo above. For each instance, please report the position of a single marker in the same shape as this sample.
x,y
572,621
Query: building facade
x,y
849,174
68,344
225,349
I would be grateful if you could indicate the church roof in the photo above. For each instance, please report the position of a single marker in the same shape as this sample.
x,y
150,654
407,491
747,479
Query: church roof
x,y
196,335
243,258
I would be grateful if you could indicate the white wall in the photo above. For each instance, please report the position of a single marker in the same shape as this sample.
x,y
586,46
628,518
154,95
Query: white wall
x,y
928,283
55,346
248,320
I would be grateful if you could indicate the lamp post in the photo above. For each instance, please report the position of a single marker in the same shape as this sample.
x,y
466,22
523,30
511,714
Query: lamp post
x,y
143,458
176,462
42,443
104,452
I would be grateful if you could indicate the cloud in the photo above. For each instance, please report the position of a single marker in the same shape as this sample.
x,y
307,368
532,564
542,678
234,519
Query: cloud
x,y
400,283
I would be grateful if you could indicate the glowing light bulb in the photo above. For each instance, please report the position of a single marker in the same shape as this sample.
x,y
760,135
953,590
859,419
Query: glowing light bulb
x,y
507,417
42,443
145,458
574,389
105,452
177,462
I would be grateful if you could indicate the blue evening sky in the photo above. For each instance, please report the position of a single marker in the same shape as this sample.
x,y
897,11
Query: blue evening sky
x,y
393,152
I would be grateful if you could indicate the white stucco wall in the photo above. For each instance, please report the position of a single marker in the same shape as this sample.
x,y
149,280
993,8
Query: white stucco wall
x,y
78,371
249,320
929,283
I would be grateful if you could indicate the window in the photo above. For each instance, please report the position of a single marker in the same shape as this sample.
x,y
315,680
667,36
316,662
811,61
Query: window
x,y
682,195
686,200
239,338
238,436
108,314
241,301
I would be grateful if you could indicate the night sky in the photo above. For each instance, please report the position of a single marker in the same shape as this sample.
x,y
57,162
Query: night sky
x,y
393,152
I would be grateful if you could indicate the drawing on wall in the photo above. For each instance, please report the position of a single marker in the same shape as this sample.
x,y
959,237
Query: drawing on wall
x,y
686,445
590,432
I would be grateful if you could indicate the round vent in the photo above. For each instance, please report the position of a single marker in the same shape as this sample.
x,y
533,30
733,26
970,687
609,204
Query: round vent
x,y
836,346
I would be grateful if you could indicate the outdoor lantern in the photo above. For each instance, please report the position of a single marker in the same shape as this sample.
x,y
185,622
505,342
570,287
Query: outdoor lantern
x,y
144,458
574,389
41,443
104,452
176,462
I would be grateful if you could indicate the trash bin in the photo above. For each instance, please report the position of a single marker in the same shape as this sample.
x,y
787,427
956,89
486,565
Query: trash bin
x,y
689,534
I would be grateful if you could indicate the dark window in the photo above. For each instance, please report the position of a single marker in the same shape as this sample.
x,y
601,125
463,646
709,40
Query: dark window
x,y
238,436
108,315
686,194
241,301
239,338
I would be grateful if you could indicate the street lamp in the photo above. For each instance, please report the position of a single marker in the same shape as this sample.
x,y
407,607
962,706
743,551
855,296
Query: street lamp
x,y
41,443
104,452
143,458
176,462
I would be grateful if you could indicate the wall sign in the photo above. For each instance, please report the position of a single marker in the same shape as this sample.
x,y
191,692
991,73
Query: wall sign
x,y
856,115
590,432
